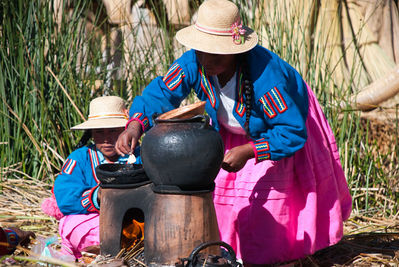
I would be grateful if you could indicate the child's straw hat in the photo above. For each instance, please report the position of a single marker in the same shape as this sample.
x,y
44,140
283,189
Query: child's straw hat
x,y
105,112
218,30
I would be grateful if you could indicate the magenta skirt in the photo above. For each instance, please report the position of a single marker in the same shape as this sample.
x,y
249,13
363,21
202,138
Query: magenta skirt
x,y
277,211
78,232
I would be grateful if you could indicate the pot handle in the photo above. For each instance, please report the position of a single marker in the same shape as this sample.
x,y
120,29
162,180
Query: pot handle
x,y
206,121
202,246
154,118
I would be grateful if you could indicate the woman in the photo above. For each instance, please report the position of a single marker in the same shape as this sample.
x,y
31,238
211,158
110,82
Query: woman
x,y
281,193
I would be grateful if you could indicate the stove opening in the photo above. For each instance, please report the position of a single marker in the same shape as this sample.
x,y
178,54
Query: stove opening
x,y
132,229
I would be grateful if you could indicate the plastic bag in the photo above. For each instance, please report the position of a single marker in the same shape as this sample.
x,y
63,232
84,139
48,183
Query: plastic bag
x,y
45,248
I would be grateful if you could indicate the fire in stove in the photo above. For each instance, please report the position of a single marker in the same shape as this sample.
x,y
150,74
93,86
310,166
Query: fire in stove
x,y
132,234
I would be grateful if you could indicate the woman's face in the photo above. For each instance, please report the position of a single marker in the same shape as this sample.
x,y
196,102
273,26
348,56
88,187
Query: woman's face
x,y
216,64
105,140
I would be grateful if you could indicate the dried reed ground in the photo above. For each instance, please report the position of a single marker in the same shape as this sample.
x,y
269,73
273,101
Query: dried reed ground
x,y
368,241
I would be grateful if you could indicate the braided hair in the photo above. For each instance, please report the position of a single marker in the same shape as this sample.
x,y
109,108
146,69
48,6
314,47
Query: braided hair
x,y
83,140
248,90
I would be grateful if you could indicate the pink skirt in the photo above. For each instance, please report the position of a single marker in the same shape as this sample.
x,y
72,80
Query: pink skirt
x,y
78,232
277,211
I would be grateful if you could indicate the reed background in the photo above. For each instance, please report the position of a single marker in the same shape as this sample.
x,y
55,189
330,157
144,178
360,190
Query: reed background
x,y
49,73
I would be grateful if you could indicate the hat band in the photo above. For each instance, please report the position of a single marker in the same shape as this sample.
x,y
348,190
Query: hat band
x,y
216,31
96,117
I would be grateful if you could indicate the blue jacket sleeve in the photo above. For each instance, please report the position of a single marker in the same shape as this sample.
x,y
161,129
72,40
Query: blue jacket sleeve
x,y
166,92
280,106
75,187
285,118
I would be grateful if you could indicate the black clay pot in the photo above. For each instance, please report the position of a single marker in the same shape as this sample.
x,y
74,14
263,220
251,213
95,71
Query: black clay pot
x,y
182,154
121,175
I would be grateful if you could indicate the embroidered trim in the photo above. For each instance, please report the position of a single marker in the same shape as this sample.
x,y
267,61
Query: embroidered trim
x,y
135,119
143,119
174,77
94,162
272,101
239,105
87,201
262,147
207,87
92,207
267,107
255,151
277,100
85,198
68,166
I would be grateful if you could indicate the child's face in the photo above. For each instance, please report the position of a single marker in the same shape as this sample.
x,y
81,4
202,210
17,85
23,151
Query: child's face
x,y
215,64
105,140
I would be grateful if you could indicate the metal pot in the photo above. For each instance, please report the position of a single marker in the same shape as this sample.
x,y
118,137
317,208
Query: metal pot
x,y
197,259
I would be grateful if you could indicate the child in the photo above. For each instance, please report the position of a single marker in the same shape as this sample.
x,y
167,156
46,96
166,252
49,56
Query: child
x,y
76,189
281,193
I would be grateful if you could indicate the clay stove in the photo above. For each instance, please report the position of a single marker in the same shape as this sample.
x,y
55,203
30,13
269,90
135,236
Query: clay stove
x,y
173,224
174,201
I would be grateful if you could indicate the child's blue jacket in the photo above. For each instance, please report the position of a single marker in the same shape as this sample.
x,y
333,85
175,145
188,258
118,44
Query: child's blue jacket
x,y
76,186
279,103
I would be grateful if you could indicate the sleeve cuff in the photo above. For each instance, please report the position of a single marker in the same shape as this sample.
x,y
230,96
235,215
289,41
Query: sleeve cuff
x,y
88,199
95,198
261,149
143,120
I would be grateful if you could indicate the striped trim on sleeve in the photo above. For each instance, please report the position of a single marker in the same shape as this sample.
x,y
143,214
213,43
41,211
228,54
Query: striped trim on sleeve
x,y
174,77
262,149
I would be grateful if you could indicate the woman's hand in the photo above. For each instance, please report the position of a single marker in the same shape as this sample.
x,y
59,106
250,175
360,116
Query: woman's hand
x,y
235,159
129,138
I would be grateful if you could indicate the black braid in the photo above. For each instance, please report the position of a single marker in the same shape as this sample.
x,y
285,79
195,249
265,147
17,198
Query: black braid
x,y
83,140
248,88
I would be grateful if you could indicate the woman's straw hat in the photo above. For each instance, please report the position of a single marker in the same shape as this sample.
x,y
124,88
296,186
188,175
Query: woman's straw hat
x,y
218,30
105,112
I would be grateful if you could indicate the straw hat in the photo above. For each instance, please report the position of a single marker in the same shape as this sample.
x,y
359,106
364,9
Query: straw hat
x,y
218,30
105,112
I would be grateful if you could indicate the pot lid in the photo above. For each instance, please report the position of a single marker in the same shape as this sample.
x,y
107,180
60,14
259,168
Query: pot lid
x,y
184,112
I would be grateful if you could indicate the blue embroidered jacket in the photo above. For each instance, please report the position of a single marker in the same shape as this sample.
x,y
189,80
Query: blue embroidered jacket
x,y
279,102
76,187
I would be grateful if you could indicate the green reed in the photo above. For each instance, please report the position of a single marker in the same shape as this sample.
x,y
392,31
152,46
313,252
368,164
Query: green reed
x,y
49,73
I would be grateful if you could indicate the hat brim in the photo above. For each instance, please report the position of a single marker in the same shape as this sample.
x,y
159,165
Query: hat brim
x,y
216,44
100,124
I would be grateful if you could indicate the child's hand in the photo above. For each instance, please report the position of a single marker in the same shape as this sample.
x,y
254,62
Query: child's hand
x,y
129,138
235,159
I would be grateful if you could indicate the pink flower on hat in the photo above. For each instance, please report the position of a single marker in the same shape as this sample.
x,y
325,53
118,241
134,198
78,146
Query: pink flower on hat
x,y
237,32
